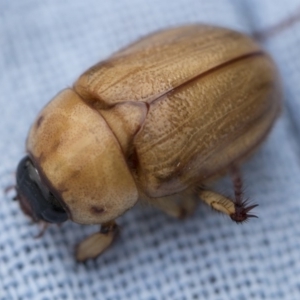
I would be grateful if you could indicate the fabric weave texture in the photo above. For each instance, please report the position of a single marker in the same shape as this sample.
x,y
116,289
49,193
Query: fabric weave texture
x,y
44,47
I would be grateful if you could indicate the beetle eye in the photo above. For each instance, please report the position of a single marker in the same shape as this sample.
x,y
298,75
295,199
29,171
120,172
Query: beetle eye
x,y
35,198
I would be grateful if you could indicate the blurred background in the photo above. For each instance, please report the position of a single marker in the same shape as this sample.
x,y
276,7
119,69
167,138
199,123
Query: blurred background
x,y
44,47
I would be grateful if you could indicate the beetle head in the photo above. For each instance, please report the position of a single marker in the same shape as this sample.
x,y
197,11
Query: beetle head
x,y
36,200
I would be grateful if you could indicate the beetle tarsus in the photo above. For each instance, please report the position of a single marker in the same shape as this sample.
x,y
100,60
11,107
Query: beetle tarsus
x,y
241,206
262,35
241,212
238,186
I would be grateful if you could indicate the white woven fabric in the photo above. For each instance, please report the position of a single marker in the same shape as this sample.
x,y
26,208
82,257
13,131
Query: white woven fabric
x,y
44,46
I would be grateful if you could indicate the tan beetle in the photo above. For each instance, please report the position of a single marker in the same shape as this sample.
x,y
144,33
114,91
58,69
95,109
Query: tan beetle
x,y
157,121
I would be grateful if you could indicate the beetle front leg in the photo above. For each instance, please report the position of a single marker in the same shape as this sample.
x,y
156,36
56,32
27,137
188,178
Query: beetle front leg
x,y
97,243
238,210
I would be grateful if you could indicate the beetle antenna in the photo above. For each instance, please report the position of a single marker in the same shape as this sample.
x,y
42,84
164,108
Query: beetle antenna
x,y
9,188
42,231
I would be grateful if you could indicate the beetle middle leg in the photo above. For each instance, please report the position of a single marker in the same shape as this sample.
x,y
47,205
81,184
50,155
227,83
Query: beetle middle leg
x,y
238,209
97,243
179,205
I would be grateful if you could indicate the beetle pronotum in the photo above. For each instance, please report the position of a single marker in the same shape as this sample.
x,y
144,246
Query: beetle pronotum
x,y
156,121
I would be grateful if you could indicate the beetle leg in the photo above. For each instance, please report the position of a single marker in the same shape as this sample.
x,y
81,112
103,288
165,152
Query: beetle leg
x,y
189,204
97,243
241,206
217,201
238,210
179,206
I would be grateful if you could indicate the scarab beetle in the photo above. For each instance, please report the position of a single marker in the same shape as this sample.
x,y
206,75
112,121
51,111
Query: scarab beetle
x,y
157,121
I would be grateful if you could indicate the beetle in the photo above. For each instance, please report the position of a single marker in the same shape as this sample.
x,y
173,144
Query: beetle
x,y
157,122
